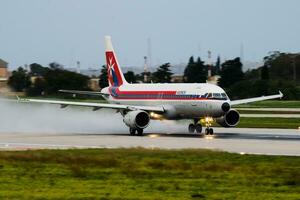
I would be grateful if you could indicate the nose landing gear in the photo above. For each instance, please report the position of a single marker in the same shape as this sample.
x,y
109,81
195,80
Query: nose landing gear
x,y
209,131
133,131
208,123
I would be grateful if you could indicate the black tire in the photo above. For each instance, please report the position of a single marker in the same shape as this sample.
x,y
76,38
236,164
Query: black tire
x,y
192,128
198,128
211,131
207,131
140,132
132,131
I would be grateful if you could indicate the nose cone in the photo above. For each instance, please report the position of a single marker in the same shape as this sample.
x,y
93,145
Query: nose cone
x,y
225,107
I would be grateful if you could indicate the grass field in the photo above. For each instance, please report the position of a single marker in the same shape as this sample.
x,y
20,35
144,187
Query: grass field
x,y
267,112
267,122
272,122
146,174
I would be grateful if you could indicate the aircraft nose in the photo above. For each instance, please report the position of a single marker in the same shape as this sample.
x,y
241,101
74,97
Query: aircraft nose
x,y
225,107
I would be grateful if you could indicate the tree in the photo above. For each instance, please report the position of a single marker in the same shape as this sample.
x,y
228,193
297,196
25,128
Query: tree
x,y
231,72
163,74
55,65
130,77
103,82
195,72
264,73
57,78
38,87
19,80
284,66
37,69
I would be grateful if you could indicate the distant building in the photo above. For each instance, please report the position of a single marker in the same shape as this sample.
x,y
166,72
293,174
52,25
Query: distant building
x,y
177,78
94,84
3,76
3,69
213,79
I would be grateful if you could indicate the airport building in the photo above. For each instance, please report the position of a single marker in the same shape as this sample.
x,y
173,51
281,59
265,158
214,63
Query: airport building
x,y
3,75
3,69
94,84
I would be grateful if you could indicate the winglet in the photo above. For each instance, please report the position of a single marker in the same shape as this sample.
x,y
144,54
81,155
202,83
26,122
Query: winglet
x,y
280,93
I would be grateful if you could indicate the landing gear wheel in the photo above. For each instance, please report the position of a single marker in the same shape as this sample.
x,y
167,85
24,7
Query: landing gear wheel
x,y
207,131
198,128
192,128
132,131
140,132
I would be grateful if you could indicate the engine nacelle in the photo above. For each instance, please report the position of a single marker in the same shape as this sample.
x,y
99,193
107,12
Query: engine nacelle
x,y
230,119
137,119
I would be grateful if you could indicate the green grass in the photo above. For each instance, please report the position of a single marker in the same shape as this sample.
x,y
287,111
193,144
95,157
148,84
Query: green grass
x,y
267,112
269,122
266,122
272,104
146,174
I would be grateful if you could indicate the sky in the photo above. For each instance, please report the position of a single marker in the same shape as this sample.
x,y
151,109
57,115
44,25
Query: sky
x,y
66,31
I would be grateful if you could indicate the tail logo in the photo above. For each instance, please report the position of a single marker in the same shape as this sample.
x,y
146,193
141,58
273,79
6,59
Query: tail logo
x,y
114,75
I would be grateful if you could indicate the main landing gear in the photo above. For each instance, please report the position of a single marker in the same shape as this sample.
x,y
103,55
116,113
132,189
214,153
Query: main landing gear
x,y
197,127
134,131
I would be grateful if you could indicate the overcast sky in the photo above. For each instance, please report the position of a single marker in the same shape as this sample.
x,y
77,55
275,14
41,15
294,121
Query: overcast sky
x,y
65,31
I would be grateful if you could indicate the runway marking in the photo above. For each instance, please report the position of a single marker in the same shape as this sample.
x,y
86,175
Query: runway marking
x,y
12,144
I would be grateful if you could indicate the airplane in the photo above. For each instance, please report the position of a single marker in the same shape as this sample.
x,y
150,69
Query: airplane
x,y
202,103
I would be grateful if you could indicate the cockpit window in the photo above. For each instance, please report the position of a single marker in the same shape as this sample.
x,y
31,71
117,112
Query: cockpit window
x,y
218,96
224,96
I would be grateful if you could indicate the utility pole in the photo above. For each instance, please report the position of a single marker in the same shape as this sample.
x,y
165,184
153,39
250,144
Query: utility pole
x,y
145,70
78,67
209,65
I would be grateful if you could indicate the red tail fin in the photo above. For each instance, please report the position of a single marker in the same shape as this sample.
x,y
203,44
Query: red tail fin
x,y
115,75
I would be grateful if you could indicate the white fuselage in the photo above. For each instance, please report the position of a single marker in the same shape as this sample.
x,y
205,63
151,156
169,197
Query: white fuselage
x,y
188,101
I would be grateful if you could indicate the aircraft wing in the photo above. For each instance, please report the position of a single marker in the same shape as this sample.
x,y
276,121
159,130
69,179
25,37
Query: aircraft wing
x,y
95,106
242,101
84,92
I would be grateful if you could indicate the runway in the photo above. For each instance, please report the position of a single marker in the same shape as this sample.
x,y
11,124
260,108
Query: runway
x,y
238,140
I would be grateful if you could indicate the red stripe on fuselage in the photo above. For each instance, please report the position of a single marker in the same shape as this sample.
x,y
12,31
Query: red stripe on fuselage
x,y
159,95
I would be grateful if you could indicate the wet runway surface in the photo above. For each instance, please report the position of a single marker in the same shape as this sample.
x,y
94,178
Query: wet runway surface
x,y
239,140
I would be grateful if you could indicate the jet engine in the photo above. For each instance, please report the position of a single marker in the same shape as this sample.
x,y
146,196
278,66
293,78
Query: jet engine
x,y
137,119
230,119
